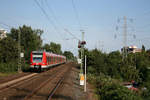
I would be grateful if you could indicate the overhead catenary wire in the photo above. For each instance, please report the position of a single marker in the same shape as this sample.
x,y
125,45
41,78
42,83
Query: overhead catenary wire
x,y
76,13
48,18
6,25
71,34
56,19
52,12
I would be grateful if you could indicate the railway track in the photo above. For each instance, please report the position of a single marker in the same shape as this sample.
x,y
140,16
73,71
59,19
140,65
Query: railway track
x,y
58,84
17,81
32,88
53,82
55,88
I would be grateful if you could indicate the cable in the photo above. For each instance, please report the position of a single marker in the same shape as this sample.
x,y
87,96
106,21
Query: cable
x,y
71,34
76,13
52,12
6,25
47,16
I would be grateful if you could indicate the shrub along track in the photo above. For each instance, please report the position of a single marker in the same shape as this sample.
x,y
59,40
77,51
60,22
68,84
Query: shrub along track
x,y
35,88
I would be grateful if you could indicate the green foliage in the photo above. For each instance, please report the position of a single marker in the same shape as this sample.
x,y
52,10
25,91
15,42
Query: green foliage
x,y
8,50
53,47
113,91
142,63
30,39
69,55
25,67
107,71
47,47
8,67
129,73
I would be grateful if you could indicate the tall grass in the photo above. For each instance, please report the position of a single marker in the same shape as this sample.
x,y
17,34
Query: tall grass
x,y
13,67
8,67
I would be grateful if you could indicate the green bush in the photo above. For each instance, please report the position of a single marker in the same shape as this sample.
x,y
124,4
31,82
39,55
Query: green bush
x,y
108,88
113,91
8,67
25,67
107,71
13,67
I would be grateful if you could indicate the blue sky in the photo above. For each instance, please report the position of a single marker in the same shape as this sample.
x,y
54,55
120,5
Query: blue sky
x,y
98,19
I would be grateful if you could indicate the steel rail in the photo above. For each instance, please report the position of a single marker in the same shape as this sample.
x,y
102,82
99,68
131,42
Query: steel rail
x,y
18,83
57,85
34,92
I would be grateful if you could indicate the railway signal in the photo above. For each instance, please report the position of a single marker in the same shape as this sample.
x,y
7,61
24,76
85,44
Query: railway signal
x,y
81,44
81,47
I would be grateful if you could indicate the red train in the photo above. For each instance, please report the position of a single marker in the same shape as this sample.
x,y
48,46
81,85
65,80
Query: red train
x,y
40,60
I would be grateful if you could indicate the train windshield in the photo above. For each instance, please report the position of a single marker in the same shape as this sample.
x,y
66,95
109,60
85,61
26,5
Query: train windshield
x,y
37,57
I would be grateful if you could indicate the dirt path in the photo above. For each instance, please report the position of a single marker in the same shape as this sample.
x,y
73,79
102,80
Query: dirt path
x,y
70,88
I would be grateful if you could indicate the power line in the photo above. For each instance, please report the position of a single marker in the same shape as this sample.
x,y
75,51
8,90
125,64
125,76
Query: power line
x,y
71,34
56,19
76,13
49,19
6,25
47,16
52,12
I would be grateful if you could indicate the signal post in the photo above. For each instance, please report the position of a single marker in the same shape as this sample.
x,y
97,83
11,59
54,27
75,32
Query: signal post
x,y
81,46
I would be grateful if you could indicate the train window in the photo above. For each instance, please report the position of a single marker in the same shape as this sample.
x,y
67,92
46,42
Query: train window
x,y
50,59
37,59
47,59
37,53
54,59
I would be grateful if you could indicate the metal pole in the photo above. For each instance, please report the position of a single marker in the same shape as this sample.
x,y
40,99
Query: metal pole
x,y
19,50
82,53
125,36
81,62
85,76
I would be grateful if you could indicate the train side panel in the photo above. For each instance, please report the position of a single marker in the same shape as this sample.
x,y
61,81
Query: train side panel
x,y
42,60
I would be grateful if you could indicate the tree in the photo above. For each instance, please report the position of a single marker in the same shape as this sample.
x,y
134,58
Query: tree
x,y
55,48
113,91
113,61
30,39
46,47
8,50
69,55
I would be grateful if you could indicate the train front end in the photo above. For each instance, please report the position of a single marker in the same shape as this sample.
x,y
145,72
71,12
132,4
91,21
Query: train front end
x,y
37,60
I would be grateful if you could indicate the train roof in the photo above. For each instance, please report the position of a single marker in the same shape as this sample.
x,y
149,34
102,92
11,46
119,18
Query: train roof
x,y
37,51
49,53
